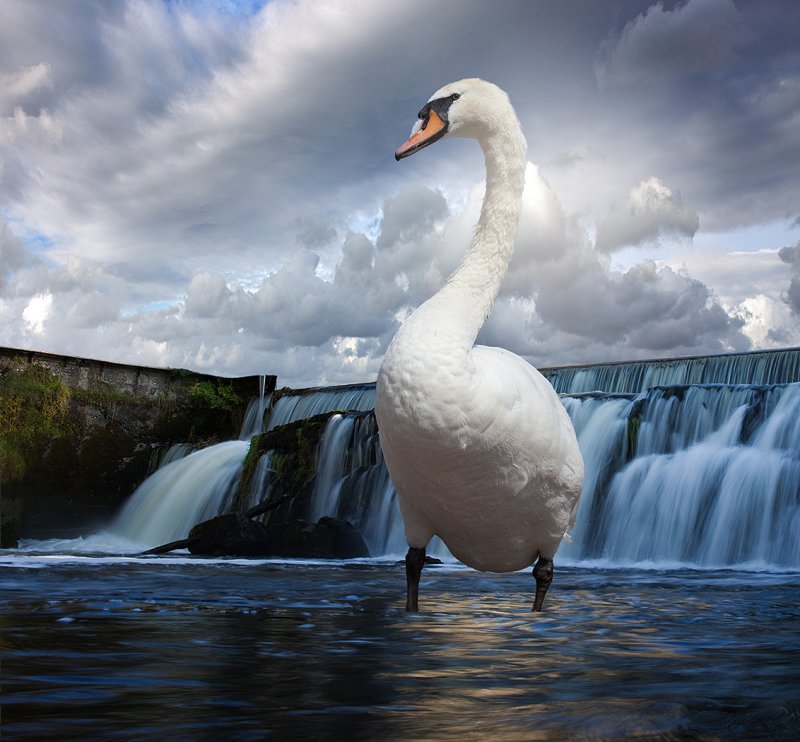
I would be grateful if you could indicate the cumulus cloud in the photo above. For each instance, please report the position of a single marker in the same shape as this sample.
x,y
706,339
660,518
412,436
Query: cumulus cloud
x,y
37,311
768,321
561,300
558,291
315,232
651,211
207,295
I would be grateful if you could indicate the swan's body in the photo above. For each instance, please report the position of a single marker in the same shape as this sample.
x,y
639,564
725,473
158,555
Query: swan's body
x,y
477,443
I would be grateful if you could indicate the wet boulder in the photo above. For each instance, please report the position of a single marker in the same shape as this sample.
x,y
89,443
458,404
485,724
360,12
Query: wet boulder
x,y
329,538
234,534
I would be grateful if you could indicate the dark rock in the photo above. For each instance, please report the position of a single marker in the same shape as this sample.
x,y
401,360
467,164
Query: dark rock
x,y
10,513
428,560
339,538
232,534
330,538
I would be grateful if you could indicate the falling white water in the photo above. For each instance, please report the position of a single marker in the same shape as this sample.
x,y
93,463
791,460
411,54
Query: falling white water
x,y
331,459
174,452
257,489
178,496
253,422
757,367
701,488
601,427
353,483
704,474
292,407
188,490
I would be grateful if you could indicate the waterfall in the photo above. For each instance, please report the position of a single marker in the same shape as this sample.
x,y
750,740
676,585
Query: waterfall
x,y
295,405
253,422
197,487
187,489
714,490
257,489
760,368
601,425
684,464
707,475
333,454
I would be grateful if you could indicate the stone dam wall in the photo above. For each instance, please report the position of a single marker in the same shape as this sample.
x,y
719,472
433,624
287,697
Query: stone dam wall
x,y
77,436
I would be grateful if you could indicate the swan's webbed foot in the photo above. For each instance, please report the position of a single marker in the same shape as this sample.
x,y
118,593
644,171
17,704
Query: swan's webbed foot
x,y
415,560
543,572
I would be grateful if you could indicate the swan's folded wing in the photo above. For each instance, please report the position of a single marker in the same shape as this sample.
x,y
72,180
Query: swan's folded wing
x,y
515,406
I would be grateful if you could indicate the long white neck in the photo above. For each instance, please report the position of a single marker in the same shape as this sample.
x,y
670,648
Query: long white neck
x,y
460,308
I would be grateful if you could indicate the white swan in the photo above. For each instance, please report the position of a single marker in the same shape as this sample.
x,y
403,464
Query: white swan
x,y
477,443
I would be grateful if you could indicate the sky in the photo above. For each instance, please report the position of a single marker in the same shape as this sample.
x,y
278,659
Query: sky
x,y
212,185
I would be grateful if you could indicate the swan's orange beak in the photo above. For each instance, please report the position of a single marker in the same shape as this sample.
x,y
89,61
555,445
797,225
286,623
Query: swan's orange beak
x,y
426,131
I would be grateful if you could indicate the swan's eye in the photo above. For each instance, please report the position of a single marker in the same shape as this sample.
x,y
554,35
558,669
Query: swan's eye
x,y
455,96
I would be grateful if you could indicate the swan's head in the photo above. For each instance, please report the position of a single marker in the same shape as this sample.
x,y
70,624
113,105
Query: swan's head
x,y
467,108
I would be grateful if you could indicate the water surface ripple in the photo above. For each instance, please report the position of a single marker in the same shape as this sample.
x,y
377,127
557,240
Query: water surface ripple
x,y
186,649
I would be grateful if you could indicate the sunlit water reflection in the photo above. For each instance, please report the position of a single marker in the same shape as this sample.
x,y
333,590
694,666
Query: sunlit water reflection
x,y
183,648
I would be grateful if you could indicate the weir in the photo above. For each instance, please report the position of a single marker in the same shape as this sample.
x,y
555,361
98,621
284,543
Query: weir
x,y
300,404
632,377
704,473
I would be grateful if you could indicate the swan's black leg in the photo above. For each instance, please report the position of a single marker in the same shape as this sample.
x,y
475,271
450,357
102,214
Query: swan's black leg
x,y
415,559
543,572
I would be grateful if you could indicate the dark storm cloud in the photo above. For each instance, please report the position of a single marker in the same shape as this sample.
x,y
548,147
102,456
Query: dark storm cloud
x,y
793,294
718,83
672,45
791,255
12,253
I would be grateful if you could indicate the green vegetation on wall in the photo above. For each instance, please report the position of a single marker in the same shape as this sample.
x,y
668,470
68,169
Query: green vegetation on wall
x,y
34,407
213,396
214,406
38,408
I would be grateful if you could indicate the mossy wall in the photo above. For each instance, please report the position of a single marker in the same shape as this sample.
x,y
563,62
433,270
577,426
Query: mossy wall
x,y
77,436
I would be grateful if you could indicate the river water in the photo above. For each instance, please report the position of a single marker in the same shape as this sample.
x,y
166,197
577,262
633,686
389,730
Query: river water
x,y
183,648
